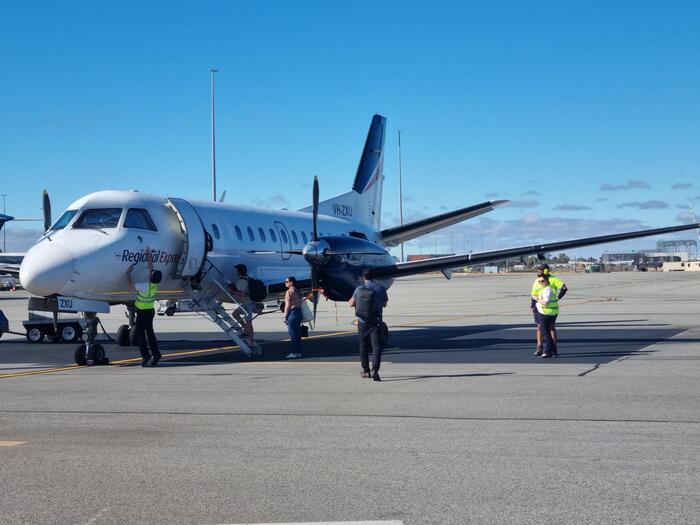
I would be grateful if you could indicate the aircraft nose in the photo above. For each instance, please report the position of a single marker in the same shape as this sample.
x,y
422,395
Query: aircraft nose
x,y
46,268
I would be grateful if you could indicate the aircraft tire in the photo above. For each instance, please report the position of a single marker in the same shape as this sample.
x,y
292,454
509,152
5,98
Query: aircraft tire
x,y
98,355
170,311
79,355
132,337
123,335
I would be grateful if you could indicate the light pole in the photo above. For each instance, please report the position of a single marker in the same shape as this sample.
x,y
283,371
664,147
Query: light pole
x,y
4,250
212,71
400,190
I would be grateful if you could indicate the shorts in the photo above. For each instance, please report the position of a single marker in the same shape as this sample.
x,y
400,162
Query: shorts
x,y
538,317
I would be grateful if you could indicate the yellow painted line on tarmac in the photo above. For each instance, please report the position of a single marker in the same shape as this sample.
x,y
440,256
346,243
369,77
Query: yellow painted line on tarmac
x,y
138,359
42,371
12,443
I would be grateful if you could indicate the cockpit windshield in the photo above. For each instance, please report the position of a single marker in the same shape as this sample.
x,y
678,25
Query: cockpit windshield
x,y
63,221
98,219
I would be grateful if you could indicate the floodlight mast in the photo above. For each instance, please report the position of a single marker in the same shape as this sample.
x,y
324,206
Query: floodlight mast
x,y
398,131
212,71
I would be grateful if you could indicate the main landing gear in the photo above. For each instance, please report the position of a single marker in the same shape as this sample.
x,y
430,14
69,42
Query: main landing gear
x,y
90,353
126,334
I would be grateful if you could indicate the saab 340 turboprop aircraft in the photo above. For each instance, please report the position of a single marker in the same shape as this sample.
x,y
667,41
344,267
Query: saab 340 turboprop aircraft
x,y
80,263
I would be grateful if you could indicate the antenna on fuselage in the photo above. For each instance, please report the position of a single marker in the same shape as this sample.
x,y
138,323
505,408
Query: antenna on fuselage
x,y
213,138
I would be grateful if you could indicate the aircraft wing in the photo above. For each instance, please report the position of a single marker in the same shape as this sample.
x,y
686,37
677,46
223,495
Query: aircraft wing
x,y
456,261
395,236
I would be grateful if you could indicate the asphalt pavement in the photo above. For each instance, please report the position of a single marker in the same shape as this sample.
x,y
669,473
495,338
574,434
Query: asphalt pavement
x,y
467,426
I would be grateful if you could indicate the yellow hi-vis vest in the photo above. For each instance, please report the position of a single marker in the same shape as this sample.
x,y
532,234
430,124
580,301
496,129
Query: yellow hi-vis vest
x,y
145,301
552,307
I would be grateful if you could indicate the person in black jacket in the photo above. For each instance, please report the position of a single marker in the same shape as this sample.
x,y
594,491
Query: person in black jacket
x,y
368,309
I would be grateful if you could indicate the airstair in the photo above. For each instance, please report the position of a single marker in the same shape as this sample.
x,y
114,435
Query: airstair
x,y
208,291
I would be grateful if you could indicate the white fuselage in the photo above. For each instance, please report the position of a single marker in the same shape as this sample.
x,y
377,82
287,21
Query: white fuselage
x,y
90,260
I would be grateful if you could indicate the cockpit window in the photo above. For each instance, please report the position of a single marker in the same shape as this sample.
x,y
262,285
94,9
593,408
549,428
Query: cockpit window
x,y
98,219
63,221
139,218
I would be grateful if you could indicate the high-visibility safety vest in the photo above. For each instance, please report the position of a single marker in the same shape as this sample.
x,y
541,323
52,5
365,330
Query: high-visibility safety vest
x,y
144,301
556,283
552,307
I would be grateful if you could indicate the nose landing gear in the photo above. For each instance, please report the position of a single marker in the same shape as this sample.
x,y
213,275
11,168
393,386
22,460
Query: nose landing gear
x,y
90,353
126,333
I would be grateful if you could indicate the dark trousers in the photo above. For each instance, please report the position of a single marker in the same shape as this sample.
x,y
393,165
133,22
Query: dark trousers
x,y
369,337
144,332
294,329
545,325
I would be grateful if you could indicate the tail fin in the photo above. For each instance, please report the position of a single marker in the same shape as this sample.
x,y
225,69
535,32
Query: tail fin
x,y
364,202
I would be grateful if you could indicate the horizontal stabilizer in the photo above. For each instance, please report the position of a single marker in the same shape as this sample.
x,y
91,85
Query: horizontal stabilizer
x,y
395,236
455,261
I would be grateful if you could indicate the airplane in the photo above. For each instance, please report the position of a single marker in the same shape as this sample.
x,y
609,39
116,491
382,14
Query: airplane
x,y
80,262
10,262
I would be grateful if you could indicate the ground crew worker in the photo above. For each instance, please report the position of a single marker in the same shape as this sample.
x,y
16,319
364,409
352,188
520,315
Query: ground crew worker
x,y
369,323
145,312
547,307
558,285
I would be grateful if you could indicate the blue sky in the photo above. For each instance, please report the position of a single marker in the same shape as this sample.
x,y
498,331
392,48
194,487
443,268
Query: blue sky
x,y
585,114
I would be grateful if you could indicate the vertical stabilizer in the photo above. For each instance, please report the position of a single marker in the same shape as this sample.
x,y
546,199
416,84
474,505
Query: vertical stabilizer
x,y
364,202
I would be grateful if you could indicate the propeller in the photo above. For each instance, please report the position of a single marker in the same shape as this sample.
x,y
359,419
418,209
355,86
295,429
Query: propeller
x,y
314,269
46,207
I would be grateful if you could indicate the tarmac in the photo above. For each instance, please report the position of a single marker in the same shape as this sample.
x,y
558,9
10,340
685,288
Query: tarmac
x,y
466,426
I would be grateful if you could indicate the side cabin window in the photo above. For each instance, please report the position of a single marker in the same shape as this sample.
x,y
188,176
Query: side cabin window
x,y
272,235
215,229
63,221
261,233
98,219
239,234
251,235
294,237
284,237
303,237
139,218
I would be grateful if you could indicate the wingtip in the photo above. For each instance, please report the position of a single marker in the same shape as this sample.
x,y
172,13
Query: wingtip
x,y
499,202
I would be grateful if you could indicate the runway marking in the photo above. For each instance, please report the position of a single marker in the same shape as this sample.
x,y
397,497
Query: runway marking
x,y
390,522
417,417
11,443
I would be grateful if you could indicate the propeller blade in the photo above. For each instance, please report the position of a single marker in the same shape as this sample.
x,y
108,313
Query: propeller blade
x,y
329,252
289,252
223,196
315,209
46,206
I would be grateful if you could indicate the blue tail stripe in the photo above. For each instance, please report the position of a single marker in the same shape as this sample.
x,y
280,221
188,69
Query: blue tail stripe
x,y
371,154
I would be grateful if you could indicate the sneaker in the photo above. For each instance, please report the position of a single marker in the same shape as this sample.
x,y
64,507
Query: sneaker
x,y
365,375
154,360
145,362
292,356
545,355
538,352
375,377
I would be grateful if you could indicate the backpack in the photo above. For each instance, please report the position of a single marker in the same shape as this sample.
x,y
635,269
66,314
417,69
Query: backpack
x,y
366,305
257,291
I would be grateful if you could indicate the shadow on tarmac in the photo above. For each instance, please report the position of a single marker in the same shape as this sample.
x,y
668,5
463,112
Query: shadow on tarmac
x,y
588,342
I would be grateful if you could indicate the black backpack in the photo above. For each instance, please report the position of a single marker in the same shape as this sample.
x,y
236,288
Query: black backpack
x,y
257,291
366,305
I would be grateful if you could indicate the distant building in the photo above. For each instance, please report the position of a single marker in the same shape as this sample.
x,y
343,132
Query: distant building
x,y
684,266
